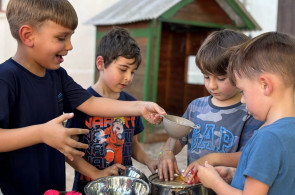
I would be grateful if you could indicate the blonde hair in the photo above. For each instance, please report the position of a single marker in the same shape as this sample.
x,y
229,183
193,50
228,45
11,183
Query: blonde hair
x,y
35,12
271,52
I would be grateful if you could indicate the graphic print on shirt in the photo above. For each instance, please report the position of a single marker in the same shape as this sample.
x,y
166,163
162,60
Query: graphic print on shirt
x,y
211,139
110,141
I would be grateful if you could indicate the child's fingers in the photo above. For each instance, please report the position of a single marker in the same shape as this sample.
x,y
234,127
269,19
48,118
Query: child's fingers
x,y
75,144
159,109
77,131
187,170
70,153
171,171
176,168
120,166
63,117
160,170
69,156
206,164
165,172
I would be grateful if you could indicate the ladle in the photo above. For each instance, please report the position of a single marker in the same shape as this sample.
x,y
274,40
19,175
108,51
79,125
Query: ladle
x,y
177,127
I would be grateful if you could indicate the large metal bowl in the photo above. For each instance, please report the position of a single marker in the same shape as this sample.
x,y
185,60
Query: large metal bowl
x,y
160,187
117,185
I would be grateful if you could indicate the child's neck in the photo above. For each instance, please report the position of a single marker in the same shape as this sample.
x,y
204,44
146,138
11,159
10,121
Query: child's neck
x,y
28,64
104,91
281,106
229,102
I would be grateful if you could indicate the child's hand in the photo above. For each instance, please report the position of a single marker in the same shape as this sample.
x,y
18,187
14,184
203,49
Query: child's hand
x,y
208,175
110,171
193,169
152,165
167,162
57,136
226,173
152,112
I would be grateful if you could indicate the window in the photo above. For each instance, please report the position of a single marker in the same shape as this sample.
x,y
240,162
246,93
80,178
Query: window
x,y
194,74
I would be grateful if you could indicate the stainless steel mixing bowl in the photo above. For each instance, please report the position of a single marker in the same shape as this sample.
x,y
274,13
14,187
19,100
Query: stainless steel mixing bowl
x,y
117,185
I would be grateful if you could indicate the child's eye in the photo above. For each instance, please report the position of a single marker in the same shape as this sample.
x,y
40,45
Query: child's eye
x,y
206,77
123,70
242,92
61,39
221,79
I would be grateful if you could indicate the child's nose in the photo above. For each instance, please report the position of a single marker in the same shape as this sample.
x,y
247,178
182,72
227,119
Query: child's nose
x,y
128,77
68,45
212,84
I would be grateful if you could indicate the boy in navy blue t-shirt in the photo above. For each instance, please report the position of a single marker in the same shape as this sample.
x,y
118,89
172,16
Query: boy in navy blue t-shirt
x,y
35,90
112,140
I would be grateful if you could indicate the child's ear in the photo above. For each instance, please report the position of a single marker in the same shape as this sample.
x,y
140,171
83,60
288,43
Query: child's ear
x,y
99,63
26,35
266,84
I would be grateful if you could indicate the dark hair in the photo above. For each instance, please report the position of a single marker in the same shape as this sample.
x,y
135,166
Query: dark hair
x,y
118,42
36,12
270,52
212,56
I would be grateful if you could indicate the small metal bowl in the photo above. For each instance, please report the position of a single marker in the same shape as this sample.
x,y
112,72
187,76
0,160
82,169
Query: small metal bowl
x,y
134,172
117,185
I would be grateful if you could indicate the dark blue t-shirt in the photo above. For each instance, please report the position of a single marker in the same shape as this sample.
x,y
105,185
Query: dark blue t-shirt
x,y
27,99
109,139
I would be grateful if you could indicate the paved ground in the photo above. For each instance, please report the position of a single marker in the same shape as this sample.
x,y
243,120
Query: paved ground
x,y
151,149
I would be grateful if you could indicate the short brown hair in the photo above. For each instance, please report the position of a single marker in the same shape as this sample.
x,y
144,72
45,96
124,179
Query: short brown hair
x,y
271,52
118,42
212,56
35,12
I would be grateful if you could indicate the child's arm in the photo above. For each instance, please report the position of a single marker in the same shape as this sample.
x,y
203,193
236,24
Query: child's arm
x,y
167,160
87,169
98,106
139,155
221,159
51,133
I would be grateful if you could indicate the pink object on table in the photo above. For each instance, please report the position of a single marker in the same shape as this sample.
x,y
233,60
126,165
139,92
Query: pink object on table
x,y
51,192
55,192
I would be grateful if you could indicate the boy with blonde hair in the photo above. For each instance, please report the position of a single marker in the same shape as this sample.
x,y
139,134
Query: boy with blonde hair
x,y
35,90
264,70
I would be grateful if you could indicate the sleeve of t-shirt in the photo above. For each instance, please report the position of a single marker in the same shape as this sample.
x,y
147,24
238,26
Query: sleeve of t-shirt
x,y
6,101
73,94
78,121
250,126
263,162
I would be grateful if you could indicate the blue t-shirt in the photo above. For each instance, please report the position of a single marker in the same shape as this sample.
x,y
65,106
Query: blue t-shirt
x,y
269,157
109,139
222,129
27,99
